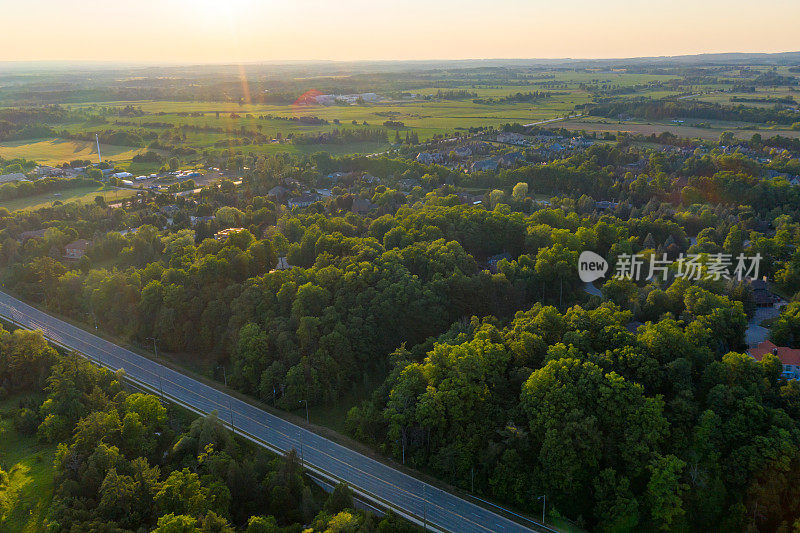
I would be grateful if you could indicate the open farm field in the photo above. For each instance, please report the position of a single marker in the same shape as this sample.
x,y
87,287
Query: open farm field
x,y
56,151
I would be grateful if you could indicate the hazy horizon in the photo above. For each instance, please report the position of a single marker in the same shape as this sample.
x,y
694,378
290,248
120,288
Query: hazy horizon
x,y
214,32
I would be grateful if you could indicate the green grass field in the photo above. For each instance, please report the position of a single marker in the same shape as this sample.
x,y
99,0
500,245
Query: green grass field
x,y
56,151
83,194
30,468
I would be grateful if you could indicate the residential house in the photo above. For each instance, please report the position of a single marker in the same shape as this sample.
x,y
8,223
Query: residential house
x,y
408,183
170,210
469,199
370,179
581,142
790,357
493,261
762,296
283,264
278,192
362,205
133,231
511,138
462,152
336,176
480,147
304,200
429,158
14,176
35,234
224,234
605,205
483,166
197,220
44,170
76,249
510,160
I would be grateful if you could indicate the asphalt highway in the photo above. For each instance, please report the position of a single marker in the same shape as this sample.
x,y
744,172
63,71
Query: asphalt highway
x,y
375,481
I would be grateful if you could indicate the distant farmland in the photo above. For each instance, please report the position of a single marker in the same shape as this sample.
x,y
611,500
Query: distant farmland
x,y
711,133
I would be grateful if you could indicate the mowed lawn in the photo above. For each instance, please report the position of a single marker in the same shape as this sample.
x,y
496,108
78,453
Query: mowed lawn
x,y
83,194
29,465
57,151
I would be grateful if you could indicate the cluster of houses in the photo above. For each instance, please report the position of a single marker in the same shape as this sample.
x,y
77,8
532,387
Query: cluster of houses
x,y
468,156
342,99
283,193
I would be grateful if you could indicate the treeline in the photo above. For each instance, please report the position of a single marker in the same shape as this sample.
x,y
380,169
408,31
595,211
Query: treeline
x,y
138,137
343,136
669,109
455,94
788,100
126,463
516,98
30,122
23,189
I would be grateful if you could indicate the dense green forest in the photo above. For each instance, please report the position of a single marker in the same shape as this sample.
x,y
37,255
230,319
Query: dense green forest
x,y
124,462
636,410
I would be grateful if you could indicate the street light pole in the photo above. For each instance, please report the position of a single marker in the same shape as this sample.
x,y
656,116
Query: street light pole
x,y
424,507
160,379
302,457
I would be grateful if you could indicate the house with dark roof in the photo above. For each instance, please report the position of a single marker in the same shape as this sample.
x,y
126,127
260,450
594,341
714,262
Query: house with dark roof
x,y
193,220
76,249
362,205
35,234
510,160
762,296
494,260
483,166
304,200
279,191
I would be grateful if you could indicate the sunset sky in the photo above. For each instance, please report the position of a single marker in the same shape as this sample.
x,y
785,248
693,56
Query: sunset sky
x,y
263,30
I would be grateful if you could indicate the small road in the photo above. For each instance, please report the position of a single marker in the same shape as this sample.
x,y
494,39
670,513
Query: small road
x,y
375,481
591,289
548,121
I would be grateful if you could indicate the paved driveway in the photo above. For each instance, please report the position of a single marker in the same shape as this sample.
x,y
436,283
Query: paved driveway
x,y
755,333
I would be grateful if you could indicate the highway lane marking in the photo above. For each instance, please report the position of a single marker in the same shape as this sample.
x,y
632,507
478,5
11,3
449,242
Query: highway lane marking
x,y
34,322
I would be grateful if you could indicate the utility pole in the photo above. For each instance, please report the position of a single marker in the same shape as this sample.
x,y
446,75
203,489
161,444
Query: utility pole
x,y
301,401
544,504
224,374
155,348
